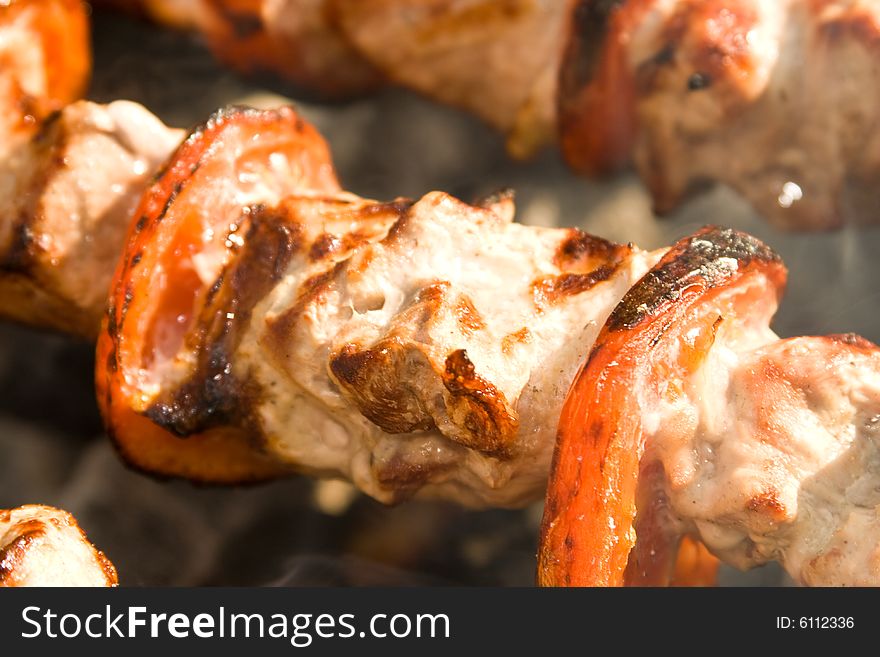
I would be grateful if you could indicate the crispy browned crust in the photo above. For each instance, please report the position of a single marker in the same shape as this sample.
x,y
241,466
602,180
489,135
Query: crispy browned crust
x,y
591,534
371,378
706,256
478,406
583,253
586,261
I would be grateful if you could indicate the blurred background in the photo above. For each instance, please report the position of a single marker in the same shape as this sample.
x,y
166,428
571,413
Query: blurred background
x,y
301,532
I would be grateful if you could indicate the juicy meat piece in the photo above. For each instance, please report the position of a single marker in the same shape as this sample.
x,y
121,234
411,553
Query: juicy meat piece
x,y
430,354
67,197
764,449
411,347
43,546
496,58
799,484
775,99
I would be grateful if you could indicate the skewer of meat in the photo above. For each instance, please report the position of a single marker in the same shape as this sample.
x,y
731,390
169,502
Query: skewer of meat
x,y
107,138
43,546
473,430
427,348
411,346
775,99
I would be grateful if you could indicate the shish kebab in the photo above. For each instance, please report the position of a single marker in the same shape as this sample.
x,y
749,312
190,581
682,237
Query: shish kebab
x,y
462,379
777,100
263,321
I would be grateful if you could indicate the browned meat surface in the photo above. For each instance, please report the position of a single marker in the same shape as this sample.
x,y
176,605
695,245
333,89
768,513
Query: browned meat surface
x,y
497,59
67,197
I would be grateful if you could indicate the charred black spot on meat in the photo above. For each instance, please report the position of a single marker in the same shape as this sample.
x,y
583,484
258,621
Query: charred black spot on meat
x,y
553,289
581,252
175,192
370,378
709,257
699,81
211,395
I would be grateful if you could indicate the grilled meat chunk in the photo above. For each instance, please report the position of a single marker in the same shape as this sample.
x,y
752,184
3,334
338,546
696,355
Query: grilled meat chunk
x,y
68,196
497,59
43,546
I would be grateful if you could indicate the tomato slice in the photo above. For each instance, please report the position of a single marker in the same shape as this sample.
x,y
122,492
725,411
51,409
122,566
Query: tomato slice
x,y
62,30
592,534
596,96
192,225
